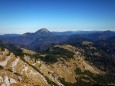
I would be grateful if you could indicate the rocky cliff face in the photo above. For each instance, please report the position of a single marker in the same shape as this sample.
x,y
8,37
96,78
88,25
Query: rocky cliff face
x,y
14,71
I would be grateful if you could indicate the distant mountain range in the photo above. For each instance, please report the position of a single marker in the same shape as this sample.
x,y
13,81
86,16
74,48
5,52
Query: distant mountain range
x,y
43,37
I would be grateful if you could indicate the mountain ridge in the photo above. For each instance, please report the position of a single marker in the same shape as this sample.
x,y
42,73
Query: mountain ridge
x,y
44,37
59,62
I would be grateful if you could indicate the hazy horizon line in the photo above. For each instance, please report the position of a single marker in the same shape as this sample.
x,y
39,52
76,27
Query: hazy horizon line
x,y
60,31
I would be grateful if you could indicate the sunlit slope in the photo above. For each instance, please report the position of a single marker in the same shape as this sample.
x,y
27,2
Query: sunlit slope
x,y
62,65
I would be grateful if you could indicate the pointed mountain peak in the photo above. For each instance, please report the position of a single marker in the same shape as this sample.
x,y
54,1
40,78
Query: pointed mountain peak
x,y
43,30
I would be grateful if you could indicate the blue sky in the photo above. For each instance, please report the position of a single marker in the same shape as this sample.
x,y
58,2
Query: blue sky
x,y
20,16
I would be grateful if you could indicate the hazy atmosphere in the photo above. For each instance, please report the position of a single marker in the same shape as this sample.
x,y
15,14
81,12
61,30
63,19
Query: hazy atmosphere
x,y
20,16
